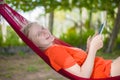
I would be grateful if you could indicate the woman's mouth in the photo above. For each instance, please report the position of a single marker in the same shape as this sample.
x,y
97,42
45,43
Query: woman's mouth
x,y
48,37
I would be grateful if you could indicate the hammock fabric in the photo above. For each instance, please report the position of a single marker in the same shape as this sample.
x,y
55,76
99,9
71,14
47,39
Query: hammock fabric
x,y
17,22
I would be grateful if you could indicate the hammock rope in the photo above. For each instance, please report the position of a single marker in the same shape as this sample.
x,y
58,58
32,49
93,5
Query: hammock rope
x,y
17,22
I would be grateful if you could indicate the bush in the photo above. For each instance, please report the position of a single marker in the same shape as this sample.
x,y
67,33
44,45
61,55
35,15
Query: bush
x,y
75,38
12,38
71,37
84,36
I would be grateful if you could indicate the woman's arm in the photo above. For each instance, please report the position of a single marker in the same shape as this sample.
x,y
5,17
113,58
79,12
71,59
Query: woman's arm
x,y
88,44
86,69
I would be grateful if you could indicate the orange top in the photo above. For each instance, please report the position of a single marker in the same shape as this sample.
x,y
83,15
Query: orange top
x,y
65,57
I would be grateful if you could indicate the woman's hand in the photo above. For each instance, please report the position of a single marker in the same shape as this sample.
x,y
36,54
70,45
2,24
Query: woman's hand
x,y
96,42
89,41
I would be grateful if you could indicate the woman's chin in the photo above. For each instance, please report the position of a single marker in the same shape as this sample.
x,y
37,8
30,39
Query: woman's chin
x,y
52,38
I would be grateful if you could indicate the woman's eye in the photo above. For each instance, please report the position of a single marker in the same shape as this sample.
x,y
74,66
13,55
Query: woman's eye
x,y
42,28
38,34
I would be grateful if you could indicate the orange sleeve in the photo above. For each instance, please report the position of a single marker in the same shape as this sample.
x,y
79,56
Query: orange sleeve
x,y
60,58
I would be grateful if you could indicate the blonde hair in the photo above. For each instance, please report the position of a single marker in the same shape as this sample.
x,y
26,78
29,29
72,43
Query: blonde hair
x,y
26,28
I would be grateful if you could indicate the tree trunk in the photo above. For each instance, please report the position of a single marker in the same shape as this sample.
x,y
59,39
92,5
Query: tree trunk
x,y
3,29
115,32
90,19
51,21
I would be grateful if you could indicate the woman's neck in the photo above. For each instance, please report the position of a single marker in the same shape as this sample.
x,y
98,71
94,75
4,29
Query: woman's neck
x,y
45,48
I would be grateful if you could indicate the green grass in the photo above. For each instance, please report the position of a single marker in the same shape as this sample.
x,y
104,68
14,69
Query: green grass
x,y
6,75
22,54
32,68
20,66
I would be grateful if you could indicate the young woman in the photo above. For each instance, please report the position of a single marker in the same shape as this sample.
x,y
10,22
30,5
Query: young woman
x,y
74,60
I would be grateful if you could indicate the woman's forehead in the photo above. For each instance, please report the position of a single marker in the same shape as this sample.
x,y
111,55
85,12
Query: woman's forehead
x,y
35,26
34,29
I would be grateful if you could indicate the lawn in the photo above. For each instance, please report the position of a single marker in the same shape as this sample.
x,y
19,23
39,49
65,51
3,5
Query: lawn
x,y
26,67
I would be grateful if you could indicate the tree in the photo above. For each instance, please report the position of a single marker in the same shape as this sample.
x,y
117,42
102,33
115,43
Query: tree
x,y
104,5
91,5
115,32
27,5
3,29
51,20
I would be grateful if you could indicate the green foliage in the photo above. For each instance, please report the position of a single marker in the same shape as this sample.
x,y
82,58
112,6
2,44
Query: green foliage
x,y
32,68
75,38
24,5
117,43
71,37
21,53
12,38
85,35
51,5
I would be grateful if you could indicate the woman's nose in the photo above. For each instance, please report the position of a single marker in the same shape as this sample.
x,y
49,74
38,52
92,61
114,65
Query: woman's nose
x,y
44,32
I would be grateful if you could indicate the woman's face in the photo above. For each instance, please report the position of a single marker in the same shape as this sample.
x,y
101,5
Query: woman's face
x,y
40,36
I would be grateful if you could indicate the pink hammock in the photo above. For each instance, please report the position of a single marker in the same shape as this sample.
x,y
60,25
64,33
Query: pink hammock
x,y
17,21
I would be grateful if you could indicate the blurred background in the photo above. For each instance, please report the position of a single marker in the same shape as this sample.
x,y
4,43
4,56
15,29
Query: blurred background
x,y
72,21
